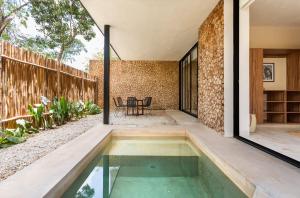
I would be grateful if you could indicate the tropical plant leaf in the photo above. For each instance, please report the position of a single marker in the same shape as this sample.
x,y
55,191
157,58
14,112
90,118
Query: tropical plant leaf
x,y
15,140
92,108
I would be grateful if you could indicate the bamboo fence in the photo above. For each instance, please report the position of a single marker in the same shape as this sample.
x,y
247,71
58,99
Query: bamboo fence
x,y
26,76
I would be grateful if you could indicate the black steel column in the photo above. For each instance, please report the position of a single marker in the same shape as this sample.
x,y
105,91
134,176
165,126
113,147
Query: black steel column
x,y
106,75
236,68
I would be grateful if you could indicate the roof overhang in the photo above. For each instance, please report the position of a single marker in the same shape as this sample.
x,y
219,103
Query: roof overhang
x,y
151,29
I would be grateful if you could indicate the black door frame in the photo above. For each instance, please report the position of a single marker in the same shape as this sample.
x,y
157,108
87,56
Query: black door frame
x,y
236,118
181,81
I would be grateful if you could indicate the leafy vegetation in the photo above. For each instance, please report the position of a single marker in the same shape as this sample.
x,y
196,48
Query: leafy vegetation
x,y
77,110
37,112
18,135
9,11
9,137
91,108
24,126
62,23
61,111
62,26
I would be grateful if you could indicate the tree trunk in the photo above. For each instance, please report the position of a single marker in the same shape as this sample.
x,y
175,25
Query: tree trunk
x,y
60,54
5,20
3,24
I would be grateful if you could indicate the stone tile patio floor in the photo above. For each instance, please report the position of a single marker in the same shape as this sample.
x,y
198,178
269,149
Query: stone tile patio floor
x,y
157,117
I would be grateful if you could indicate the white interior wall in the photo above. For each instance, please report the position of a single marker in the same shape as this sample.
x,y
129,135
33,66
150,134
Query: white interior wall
x,y
244,95
275,37
228,68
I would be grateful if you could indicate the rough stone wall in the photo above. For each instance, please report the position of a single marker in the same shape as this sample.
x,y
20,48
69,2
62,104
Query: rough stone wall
x,y
211,69
158,79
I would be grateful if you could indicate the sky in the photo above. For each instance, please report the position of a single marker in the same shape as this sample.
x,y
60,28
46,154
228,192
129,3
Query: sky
x,y
93,47
80,61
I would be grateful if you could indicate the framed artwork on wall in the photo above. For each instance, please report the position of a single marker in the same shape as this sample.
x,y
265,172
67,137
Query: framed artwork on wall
x,y
269,72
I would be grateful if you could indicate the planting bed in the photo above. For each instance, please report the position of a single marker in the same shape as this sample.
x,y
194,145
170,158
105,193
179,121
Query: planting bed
x,y
18,156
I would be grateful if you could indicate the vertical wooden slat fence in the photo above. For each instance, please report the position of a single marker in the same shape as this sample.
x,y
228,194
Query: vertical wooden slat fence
x,y
26,76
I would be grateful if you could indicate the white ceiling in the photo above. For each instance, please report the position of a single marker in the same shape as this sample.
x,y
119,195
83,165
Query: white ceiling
x,y
275,13
151,29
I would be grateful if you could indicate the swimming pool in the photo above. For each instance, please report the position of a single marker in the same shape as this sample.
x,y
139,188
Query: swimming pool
x,y
149,168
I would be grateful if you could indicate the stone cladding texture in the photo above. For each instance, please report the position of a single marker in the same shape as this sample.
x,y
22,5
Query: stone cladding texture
x,y
211,69
158,79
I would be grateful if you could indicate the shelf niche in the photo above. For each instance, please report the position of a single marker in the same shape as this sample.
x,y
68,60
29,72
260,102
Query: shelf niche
x,y
281,106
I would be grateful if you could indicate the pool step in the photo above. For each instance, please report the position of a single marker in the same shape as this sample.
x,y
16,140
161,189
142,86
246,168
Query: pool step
x,y
155,166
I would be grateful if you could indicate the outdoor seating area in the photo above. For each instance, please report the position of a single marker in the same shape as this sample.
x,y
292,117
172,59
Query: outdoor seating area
x,y
132,106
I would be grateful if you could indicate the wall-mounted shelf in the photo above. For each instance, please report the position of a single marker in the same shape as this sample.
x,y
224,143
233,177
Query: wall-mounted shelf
x,y
275,101
281,106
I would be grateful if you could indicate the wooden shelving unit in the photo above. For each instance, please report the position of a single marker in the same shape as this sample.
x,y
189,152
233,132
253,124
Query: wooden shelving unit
x,y
293,106
281,106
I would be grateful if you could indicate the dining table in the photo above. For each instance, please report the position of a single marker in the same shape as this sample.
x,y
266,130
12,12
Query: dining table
x,y
137,109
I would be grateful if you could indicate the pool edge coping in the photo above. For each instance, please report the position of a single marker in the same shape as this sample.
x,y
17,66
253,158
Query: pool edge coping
x,y
234,175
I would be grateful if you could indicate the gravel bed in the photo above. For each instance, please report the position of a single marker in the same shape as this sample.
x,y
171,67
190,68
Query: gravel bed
x,y
15,158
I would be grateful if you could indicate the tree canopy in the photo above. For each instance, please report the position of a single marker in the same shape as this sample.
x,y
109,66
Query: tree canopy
x,y
9,10
62,23
61,26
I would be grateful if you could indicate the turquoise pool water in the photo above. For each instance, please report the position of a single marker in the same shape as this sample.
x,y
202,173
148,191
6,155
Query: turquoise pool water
x,y
140,168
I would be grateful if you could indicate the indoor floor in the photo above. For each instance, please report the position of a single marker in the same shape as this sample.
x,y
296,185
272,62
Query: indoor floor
x,y
282,138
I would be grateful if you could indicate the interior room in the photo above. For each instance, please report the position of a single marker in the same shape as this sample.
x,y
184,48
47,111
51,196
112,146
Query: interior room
x,y
274,76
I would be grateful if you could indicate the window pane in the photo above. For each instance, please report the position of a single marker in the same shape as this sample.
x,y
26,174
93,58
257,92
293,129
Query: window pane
x,y
194,82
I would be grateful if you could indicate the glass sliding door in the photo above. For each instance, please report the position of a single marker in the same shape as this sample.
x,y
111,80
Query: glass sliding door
x,y
189,82
267,77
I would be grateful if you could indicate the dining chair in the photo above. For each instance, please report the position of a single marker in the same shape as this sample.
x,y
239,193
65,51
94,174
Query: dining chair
x,y
148,104
119,106
131,105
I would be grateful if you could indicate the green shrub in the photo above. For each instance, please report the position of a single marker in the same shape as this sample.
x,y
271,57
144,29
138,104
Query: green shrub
x,y
24,126
60,109
91,108
18,135
37,112
77,110
9,137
